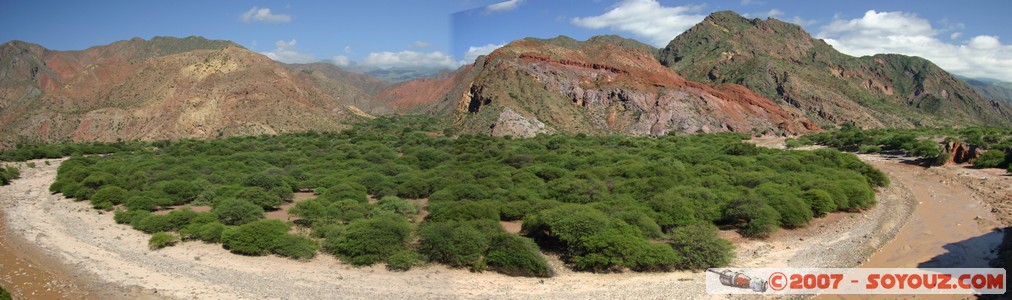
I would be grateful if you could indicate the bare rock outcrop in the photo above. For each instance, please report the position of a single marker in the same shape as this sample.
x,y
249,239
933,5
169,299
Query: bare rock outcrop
x,y
510,123
961,153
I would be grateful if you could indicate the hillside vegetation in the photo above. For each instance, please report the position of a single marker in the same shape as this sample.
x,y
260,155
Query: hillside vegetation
x,y
605,203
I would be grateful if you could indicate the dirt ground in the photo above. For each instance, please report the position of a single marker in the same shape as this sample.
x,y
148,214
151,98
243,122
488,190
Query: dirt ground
x,y
114,259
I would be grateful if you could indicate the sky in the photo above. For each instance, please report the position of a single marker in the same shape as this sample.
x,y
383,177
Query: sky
x,y
962,37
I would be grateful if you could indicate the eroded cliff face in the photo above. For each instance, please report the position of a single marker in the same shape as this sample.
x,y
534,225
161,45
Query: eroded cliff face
x,y
165,88
600,87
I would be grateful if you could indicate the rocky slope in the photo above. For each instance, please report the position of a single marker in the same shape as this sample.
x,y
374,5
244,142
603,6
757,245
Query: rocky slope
x,y
605,85
783,62
346,87
164,88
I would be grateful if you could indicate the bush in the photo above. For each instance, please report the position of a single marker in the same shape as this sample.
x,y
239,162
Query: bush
x,y
161,240
294,246
990,159
107,196
237,212
130,216
514,255
208,232
396,205
869,149
254,238
9,173
820,201
140,202
260,196
153,223
457,244
402,260
463,211
754,217
700,247
369,241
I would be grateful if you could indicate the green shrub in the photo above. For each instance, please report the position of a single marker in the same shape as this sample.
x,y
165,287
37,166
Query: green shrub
x,y
140,202
207,232
294,246
990,159
254,238
457,244
153,223
700,247
396,205
130,216
869,149
107,196
179,192
260,196
4,295
161,240
463,211
820,201
369,241
753,216
233,211
514,255
402,260
9,173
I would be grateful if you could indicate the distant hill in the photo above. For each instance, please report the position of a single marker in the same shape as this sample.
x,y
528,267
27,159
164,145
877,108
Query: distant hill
x,y
600,86
346,87
992,89
163,88
396,75
783,62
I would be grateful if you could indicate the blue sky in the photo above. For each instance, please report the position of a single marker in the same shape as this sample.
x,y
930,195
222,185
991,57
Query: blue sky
x,y
965,38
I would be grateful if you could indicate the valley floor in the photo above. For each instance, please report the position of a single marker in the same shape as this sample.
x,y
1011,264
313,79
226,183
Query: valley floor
x,y
52,247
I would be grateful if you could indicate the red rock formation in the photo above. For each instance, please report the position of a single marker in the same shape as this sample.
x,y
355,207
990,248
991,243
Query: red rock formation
x,y
961,153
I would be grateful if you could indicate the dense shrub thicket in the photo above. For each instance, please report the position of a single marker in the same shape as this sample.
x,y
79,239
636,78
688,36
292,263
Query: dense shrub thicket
x,y
603,203
921,142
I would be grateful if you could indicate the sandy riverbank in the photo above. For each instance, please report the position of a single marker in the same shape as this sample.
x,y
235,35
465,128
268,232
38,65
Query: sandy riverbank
x,y
118,258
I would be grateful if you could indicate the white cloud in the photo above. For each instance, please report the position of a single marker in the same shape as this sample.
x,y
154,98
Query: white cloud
x,y
798,20
473,52
955,35
504,6
645,18
341,60
257,14
287,53
387,59
906,33
421,44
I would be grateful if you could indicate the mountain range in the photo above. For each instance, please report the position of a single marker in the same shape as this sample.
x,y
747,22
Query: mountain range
x,y
728,73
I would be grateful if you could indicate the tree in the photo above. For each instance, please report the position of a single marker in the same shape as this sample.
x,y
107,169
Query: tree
x,y
233,211
753,216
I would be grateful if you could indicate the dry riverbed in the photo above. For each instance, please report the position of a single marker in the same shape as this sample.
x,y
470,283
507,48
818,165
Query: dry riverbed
x,y
97,258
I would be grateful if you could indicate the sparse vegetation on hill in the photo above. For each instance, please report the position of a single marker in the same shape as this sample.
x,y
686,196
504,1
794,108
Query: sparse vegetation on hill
x,y
606,203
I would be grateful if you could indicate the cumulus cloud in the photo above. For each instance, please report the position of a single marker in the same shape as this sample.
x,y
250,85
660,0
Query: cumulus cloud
x,y
800,21
410,59
341,60
474,51
287,53
504,6
257,14
646,19
906,33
